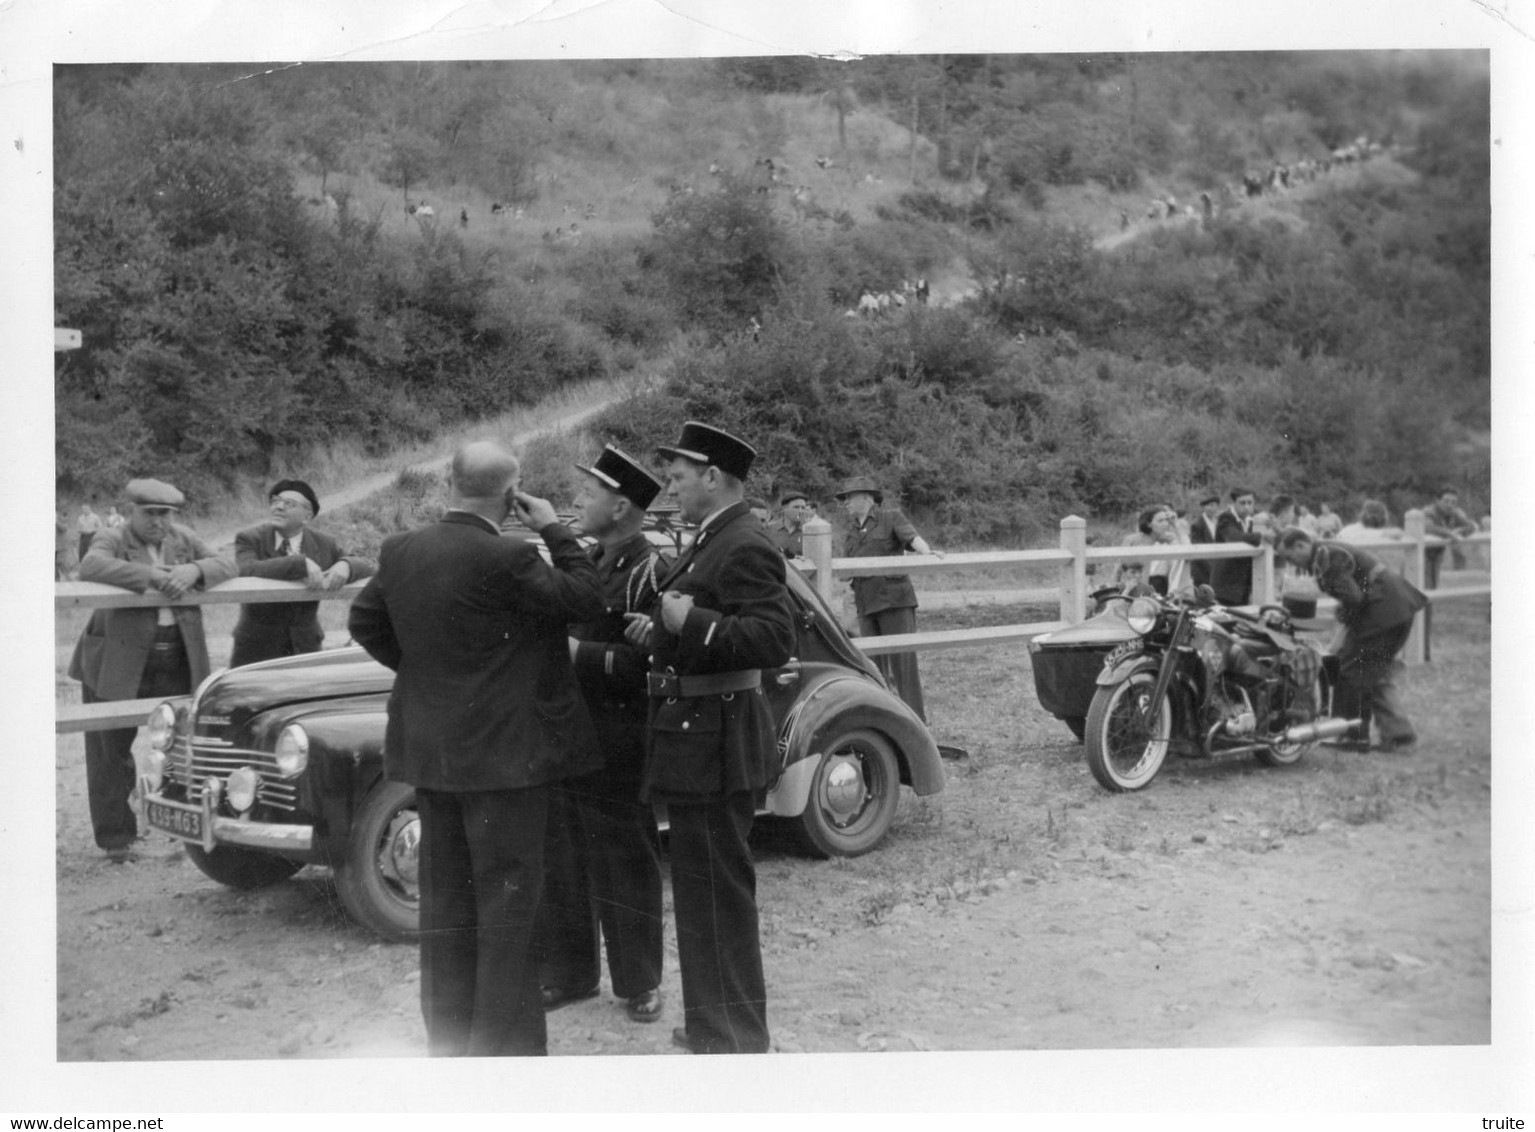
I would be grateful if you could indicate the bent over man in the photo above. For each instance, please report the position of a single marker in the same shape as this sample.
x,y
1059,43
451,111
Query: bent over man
x,y
724,615
1376,607
130,654
287,548
483,716
603,867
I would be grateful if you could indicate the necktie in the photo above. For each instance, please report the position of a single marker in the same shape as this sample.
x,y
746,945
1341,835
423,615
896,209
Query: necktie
x,y
293,546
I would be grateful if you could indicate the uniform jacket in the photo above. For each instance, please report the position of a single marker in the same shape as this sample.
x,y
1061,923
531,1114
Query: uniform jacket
x,y
276,623
1232,578
703,748
110,656
612,672
1371,598
883,534
1200,534
474,625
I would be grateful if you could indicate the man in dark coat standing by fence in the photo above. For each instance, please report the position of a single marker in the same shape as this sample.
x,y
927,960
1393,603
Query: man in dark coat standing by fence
x,y
724,615
603,866
484,715
130,654
1376,607
287,549
1232,578
1202,533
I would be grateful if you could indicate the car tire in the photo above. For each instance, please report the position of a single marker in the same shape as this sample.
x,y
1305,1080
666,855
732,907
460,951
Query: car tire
x,y
377,879
240,868
854,797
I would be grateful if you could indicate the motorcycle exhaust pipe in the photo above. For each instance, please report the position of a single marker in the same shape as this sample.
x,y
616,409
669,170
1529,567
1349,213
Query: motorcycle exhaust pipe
x,y
1321,729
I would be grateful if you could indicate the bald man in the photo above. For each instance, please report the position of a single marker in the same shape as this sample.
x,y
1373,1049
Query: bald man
x,y
485,714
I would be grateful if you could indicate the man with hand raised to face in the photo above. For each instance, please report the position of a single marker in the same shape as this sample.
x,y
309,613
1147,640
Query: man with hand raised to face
x,y
723,616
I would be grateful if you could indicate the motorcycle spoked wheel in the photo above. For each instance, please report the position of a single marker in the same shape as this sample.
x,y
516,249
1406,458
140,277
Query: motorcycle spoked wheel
x,y
1125,749
1287,754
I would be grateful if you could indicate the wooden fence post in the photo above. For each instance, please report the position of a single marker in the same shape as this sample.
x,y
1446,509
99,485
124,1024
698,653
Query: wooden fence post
x,y
1415,524
1263,577
1074,573
816,539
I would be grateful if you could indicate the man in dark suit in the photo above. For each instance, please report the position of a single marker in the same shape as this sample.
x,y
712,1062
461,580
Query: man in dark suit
x,y
1202,533
724,616
128,654
484,714
287,548
603,868
1232,578
1376,607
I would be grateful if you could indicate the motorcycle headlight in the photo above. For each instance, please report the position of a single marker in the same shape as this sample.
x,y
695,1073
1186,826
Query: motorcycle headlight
x,y
292,752
1143,615
162,727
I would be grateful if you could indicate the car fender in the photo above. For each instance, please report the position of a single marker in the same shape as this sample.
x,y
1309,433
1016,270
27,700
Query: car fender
x,y
847,702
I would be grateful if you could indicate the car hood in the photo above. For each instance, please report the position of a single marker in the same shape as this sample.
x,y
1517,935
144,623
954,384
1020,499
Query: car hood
x,y
231,696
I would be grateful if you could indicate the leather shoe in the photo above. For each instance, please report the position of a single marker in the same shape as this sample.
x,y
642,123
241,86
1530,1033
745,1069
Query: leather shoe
x,y
122,854
645,1007
680,1038
556,997
1399,744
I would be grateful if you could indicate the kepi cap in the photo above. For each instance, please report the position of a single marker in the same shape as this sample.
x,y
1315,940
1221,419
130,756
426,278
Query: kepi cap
x,y
153,493
705,444
618,471
864,484
301,488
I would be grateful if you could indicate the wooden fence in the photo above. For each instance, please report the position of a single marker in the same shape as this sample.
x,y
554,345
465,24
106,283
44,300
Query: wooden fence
x,y
1070,594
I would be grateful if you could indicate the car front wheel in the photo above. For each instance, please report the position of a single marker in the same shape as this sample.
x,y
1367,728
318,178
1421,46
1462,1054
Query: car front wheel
x,y
378,879
854,797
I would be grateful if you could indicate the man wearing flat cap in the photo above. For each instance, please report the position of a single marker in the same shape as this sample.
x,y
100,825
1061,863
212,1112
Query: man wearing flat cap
x,y
128,654
723,616
1202,532
886,603
602,870
788,530
287,548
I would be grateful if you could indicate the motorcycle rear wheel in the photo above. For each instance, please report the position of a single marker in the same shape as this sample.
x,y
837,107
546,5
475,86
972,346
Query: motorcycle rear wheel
x,y
1124,749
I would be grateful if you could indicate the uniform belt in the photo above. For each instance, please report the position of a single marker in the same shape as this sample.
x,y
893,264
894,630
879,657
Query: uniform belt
x,y
714,684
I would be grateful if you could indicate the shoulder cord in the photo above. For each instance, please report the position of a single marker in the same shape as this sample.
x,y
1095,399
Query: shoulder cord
x,y
640,590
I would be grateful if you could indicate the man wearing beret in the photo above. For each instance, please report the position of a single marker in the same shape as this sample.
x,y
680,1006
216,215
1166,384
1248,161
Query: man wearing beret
x,y
287,548
602,868
788,530
139,653
724,615
886,603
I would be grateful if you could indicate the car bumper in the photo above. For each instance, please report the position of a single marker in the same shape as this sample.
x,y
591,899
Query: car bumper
x,y
198,823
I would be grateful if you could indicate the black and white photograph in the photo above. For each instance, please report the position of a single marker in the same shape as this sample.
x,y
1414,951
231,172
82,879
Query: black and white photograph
x,y
951,547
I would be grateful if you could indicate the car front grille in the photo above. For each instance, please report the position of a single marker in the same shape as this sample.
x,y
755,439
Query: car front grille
x,y
191,766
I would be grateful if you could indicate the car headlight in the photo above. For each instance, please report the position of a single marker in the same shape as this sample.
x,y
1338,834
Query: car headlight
x,y
1143,615
162,727
292,752
240,789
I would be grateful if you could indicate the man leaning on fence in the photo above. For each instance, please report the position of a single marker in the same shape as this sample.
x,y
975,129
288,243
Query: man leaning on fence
x,y
286,548
139,653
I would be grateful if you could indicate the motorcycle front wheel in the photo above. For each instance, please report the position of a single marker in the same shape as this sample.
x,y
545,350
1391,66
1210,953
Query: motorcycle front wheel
x,y
1125,748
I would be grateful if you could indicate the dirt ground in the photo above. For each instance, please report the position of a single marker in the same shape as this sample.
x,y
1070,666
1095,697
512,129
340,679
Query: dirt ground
x,y
1345,901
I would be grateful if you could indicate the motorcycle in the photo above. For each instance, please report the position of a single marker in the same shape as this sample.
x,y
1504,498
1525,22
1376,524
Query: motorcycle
x,y
1203,680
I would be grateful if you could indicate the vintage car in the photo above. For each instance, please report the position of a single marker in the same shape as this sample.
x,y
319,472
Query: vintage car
x,y
1066,662
276,765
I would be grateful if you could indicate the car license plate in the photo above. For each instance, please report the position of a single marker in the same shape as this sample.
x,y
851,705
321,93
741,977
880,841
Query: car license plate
x,y
173,818
1119,652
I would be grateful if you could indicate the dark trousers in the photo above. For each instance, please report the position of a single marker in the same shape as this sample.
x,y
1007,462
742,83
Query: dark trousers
x,y
602,868
482,860
109,771
1367,669
899,668
714,893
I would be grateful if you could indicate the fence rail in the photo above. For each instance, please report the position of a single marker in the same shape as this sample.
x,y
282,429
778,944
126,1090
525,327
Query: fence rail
x,y
1070,560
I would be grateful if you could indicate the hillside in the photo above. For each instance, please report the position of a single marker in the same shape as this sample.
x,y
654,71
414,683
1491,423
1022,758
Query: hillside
x,y
225,245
